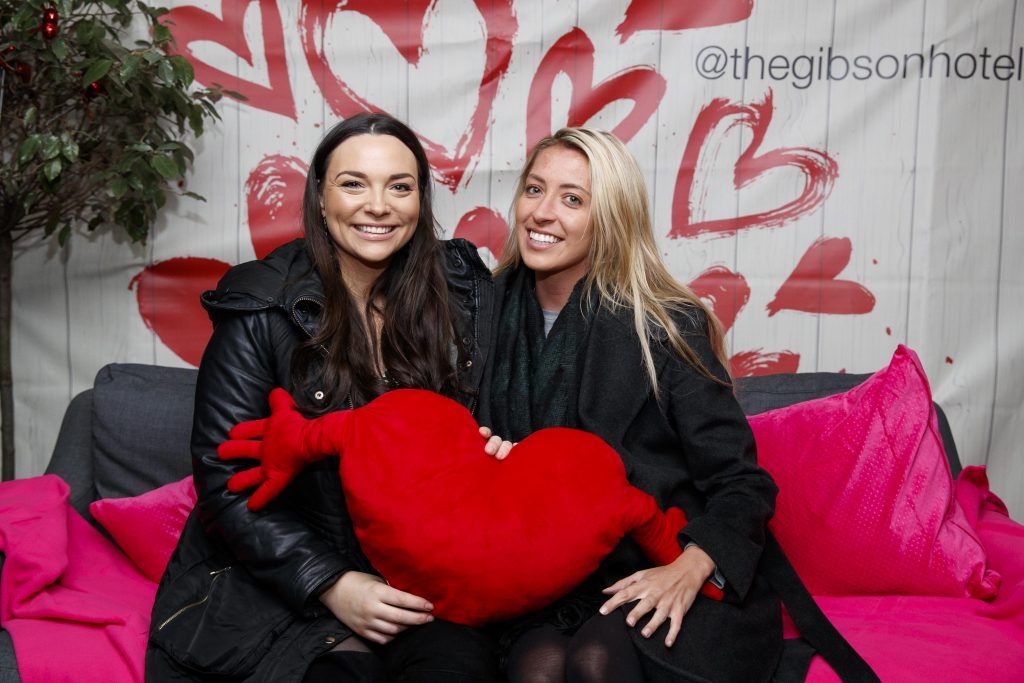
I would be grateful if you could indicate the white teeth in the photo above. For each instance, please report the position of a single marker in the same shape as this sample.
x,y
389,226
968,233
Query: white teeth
x,y
375,229
541,237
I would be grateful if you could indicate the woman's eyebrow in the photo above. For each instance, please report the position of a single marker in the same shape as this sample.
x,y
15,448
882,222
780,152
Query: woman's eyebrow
x,y
563,186
359,174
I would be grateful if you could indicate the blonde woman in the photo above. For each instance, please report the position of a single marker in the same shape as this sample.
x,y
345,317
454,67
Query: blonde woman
x,y
591,331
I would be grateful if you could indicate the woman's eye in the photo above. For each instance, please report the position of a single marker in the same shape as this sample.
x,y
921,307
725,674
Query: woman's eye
x,y
402,187
532,190
350,184
573,200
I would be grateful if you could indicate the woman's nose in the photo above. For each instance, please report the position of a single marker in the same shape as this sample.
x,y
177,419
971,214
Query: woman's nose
x,y
377,204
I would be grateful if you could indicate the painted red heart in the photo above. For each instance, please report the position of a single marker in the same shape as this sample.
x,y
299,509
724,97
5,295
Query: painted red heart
x,y
484,228
168,297
573,55
756,363
724,291
679,15
273,199
399,20
819,170
812,287
191,24
727,293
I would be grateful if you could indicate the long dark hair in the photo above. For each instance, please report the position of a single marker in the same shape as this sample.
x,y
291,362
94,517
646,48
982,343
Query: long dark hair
x,y
417,331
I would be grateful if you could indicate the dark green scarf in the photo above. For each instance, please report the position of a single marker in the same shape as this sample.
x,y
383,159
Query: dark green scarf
x,y
535,379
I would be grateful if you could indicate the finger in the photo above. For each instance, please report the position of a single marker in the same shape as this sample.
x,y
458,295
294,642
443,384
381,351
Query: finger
x,y
248,430
385,627
245,480
492,445
504,449
402,617
639,610
235,450
660,615
397,598
621,598
622,583
485,432
280,400
267,492
676,623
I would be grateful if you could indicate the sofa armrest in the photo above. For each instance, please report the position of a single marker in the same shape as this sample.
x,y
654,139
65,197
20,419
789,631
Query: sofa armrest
x,y
72,458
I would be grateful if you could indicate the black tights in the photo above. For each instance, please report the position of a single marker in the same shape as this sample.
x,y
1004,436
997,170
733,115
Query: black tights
x,y
599,651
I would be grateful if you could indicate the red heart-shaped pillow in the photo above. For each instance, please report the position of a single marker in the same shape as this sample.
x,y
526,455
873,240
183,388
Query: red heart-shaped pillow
x,y
482,539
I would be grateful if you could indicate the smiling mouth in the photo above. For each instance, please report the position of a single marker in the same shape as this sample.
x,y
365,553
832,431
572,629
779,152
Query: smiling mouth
x,y
375,229
543,238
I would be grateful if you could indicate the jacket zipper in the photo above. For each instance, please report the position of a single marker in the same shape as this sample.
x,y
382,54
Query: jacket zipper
x,y
295,316
216,574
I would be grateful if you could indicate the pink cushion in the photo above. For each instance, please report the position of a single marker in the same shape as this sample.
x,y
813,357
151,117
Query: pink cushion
x,y
866,502
147,527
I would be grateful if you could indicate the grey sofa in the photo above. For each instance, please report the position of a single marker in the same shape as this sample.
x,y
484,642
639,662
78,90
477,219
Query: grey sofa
x,y
130,433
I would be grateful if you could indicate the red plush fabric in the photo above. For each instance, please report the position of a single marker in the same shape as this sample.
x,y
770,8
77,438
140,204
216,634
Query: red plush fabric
x,y
147,527
482,539
866,503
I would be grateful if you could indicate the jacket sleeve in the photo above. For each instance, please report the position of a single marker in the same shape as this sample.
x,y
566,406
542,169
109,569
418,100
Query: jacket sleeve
x,y
275,544
721,457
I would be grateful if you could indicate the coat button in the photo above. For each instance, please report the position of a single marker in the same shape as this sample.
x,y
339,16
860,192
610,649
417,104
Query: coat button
x,y
330,640
319,395
469,363
467,341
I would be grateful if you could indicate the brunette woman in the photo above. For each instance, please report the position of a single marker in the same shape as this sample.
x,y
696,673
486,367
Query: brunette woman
x,y
368,301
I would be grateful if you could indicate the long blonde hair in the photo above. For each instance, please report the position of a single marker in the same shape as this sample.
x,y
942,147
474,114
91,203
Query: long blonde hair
x,y
625,267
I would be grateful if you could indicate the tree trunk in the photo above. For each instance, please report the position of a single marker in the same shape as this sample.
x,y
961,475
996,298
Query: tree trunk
x,y
6,385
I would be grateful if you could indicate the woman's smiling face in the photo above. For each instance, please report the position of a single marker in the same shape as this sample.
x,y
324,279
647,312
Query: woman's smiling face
x,y
553,214
370,199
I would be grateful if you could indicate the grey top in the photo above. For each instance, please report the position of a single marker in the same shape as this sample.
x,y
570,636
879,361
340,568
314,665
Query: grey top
x,y
549,320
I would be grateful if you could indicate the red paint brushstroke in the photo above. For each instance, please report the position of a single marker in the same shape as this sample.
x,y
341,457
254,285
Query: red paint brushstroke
x,y
812,287
888,331
573,55
191,24
679,15
168,297
819,170
756,363
949,361
484,228
725,291
273,199
405,24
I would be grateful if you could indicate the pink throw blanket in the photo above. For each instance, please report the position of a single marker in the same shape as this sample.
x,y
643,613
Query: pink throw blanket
x,y
75,606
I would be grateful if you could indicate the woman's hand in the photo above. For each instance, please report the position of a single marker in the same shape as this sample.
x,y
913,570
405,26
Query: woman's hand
x,y
495,445
373,609
669,590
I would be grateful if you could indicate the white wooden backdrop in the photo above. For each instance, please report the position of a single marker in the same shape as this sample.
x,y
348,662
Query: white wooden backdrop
x,y
926,198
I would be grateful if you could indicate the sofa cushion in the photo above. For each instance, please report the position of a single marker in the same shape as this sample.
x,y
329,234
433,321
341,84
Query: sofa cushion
x,y
142,422
147,527
866,504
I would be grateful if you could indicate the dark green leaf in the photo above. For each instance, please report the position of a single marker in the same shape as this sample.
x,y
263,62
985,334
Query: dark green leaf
x,y
33,197
130,67
165,71
28,149
169,146
30,116
195,120
193,195
165,166
161,34
183,70
70,150
59,48
134,182
140,147
152,56
236,95
51,169
65,233
119,187
51,147
97,71
51,223
95,222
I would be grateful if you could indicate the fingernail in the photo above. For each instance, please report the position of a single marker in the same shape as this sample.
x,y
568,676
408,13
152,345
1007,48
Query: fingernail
x,y
645,634
630,622
603,611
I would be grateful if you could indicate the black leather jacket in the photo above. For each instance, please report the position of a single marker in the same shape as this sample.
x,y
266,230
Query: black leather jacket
x,y
303,541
